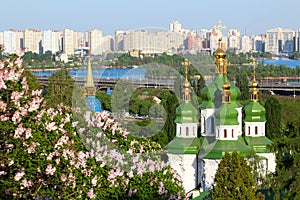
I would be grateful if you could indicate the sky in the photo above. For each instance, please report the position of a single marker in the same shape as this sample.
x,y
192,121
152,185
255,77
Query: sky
x,y
253,17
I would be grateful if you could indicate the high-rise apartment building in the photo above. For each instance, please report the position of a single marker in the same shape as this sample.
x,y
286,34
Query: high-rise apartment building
x,y
149,42
12,40
175,26
52,41
70,41
33,40
246,45
98,43
258,42
280,40
234,37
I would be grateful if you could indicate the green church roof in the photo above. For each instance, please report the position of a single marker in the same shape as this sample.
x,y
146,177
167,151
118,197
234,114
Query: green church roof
x,y
226,115
212,94
184,145
186,113
259,144
215,149
255,112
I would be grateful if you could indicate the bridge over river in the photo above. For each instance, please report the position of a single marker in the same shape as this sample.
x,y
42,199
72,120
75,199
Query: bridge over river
x,y
273,86
101,83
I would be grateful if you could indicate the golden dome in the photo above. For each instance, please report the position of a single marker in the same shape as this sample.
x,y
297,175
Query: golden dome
x,y
220,53
254,84
186,84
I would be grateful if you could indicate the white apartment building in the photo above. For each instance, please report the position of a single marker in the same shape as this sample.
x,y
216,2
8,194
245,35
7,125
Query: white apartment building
x,y
98,43
70,41
12,40
175,26
234,38
280,40
297,40
52,41
246,44
148,42
33,40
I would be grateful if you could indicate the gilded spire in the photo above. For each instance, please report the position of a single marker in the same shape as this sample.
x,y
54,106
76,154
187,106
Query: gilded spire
x,y
254,85
186,94
89,85
220,55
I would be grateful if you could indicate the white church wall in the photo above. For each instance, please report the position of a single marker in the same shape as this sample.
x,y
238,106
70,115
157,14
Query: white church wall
x,y
207,122
210,167
227,132
255,129
186,130
186,166
271,161
240,120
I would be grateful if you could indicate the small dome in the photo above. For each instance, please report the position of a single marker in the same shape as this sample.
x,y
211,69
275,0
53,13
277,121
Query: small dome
x,y
186,113
254,84
186,84
227,115
255,112
220,53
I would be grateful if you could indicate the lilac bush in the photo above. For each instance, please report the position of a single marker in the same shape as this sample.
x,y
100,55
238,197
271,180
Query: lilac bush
x,y
52,153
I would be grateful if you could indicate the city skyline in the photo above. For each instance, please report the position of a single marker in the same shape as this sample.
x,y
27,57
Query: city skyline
x,y
254,18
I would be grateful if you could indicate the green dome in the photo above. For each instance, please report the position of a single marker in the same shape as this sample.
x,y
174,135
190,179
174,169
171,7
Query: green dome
x,y
212,94
186,113
255,112
227,115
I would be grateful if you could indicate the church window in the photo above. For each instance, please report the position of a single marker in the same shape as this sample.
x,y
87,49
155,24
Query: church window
x,y
248,130
187,131
256,130
204,126
179,130
193,130
212,125
225,133
218,133
232,133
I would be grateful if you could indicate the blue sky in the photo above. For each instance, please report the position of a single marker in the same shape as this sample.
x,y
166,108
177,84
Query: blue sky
x,y
257,15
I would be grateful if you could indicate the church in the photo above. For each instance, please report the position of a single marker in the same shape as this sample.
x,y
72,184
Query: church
x,y
223,128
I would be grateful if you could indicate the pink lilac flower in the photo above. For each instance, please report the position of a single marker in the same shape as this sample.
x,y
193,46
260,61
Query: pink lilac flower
x,y
19,175
19,131
16,118
50,170
3,173
28,133
63,177
91,194
51,126
94,181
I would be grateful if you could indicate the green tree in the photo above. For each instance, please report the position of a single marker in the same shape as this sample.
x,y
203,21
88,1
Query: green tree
x,y
60,88
273,117
234,180
242,82
105,99
287,180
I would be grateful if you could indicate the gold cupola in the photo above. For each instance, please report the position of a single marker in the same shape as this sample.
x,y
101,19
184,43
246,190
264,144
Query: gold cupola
x,y
254,85
186,92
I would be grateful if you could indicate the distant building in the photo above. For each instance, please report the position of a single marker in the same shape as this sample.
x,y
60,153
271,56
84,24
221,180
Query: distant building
x,y
234,40
52,40
70,41
246,45
33,40
280,40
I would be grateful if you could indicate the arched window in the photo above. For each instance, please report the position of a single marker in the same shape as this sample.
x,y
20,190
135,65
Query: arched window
x,y
218,133
180,130
232,133
212,125
248,130
256,130
193,130
187,131
225,133
204,124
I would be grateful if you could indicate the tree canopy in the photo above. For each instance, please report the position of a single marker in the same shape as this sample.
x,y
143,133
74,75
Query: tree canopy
x,y
234,180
